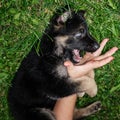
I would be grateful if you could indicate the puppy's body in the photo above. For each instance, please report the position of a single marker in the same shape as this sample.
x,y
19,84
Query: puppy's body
x,y
42,79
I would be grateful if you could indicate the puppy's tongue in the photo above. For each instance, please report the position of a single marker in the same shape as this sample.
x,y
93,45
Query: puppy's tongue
x,y
76,55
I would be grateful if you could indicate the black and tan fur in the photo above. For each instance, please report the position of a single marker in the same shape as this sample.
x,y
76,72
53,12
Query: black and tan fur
x,y
43,79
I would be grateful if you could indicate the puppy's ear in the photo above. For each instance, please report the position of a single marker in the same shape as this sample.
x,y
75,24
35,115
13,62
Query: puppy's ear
x,y
63,18
82,12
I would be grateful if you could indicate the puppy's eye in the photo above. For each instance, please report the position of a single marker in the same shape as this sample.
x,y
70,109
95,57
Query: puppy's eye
x,y
81,30
77,35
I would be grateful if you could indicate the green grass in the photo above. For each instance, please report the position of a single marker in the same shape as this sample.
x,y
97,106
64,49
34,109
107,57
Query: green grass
x,y
22,23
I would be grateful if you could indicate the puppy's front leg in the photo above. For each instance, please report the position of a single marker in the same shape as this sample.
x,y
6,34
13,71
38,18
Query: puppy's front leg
x,y
87,85
83,112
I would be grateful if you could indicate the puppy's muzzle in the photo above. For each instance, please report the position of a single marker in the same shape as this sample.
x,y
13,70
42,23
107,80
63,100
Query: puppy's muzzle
x,y
92,47
91,44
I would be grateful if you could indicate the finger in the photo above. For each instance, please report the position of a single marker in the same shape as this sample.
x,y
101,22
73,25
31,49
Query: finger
x,y
107,54
102,45
88,56
68,63
100,63
84,69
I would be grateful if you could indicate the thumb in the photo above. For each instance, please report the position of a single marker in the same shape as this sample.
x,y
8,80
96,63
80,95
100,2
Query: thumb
x,y
68,64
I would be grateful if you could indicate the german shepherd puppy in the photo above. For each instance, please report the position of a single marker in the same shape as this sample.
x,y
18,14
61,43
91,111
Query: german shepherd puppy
x,y
42,78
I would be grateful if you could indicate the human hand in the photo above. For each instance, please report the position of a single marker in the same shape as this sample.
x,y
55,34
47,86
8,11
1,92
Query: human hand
x,y
96,60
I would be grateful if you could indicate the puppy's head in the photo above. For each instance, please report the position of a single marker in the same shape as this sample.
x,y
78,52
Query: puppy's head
x,y
72,36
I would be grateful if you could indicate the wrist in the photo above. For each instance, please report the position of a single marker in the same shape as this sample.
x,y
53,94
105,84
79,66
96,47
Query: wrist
x,y
64,107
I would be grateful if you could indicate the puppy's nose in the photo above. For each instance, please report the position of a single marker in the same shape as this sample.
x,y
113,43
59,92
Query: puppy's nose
x,y
92,47
96,46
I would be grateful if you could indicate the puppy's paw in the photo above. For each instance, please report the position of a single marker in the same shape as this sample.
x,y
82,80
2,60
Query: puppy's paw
x,y
94,107
92,92
80,94
91,109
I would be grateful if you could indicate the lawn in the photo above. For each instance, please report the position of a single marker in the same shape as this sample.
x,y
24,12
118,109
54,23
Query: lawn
x,y
22,23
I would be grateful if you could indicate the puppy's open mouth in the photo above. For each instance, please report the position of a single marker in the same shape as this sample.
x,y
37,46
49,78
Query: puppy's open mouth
x,y
77,55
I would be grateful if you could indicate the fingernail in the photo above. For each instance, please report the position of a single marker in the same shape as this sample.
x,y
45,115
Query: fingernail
x,y
107,39
117,48
66,64
112,58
